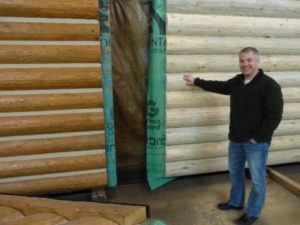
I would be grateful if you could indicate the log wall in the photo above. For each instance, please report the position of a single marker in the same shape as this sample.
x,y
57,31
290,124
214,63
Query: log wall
x,y
51,104
204,38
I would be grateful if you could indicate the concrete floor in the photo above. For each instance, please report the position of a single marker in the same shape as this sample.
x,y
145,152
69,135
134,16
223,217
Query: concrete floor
x,y
192,201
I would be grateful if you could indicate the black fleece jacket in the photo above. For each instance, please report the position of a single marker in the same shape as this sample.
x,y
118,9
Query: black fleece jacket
x,y
255,108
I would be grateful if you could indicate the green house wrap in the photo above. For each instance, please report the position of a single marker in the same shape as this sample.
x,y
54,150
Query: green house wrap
x,y
156,98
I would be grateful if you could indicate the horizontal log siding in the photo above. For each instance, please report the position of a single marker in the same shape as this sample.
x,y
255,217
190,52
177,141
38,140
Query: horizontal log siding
x,y
48,31
52,136
204,38
50,9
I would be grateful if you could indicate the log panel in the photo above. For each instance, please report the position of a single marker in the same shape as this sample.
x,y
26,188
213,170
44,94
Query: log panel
x,y
24,54
50,78
51,145
204,38
51,165
56,47
23,103
50,9
58,184
49,31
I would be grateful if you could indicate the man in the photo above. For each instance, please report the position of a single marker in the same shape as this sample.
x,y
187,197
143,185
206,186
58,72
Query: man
x,y
256,106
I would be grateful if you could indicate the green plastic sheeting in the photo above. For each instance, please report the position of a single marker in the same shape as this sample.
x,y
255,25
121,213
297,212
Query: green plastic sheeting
x,y
156,99
153,222
105,39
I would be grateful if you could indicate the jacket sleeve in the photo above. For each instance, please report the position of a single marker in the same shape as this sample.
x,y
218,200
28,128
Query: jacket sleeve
x,y
220,87
273,109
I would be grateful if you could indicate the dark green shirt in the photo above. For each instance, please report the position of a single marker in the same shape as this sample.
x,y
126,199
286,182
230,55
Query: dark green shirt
x,y
255,108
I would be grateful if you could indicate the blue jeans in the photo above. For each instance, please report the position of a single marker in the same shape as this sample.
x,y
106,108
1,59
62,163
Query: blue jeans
x,y
256,157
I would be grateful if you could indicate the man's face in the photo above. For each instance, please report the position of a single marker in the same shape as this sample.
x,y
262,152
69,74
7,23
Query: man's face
x,y
249,64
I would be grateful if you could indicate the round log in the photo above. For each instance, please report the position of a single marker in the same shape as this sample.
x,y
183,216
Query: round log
x,y
192,135
227,63
266,8
192,45
55,185
49,54
232,26
200,98
41,124
92,220
219,149
51,145
49,31
8,215
208,165
51,165
53,8
22,103
187,117
41,219
175,81
50,78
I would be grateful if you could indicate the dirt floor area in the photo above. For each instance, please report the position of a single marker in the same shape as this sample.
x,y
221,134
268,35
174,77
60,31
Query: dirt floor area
x,y
192,201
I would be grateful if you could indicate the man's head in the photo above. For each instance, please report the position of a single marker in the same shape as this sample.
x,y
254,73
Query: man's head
x,y
249,62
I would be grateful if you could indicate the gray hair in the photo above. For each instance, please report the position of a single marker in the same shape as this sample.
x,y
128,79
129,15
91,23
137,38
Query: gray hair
x,y
250,49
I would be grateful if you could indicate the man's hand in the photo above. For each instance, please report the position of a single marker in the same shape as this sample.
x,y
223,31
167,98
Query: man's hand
x,y
253,141
189,78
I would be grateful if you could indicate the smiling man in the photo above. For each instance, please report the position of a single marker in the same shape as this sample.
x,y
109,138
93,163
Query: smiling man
x,y
256,107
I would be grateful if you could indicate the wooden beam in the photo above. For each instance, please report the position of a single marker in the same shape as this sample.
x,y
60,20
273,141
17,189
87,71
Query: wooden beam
x,y
201,134
39,166
119,213
51,145
285,181
175,81
49,54
41,219
57,184
227,63
37,102
220,148
190,116
193,45
201,98
266,8
54,123
232,26
54,8
91,221
49,31
50,78
208,165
